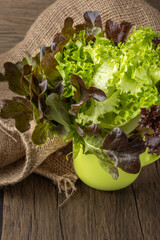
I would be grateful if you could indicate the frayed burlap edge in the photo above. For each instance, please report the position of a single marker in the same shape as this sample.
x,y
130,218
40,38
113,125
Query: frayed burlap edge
x,y
35,155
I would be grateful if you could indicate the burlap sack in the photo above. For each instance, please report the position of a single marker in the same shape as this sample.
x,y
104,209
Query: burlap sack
x,y
18,155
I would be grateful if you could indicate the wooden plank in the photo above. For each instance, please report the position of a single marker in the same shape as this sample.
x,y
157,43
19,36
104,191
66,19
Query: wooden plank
x,y
30,211
100,215
131,213
147,198
1,211
15,19
89,214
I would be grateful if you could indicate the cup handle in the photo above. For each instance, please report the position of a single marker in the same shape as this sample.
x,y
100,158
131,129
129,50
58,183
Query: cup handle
x,y
147,158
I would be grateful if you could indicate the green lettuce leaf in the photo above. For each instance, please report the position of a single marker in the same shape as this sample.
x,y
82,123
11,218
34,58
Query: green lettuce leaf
x,y
100,108
127,74
118,109
74,61
57,111
40,133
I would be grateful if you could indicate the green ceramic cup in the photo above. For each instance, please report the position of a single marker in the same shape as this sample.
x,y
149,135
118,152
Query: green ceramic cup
x,y
91,173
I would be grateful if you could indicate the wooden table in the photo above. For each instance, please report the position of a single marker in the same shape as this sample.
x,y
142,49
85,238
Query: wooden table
x,y
29,210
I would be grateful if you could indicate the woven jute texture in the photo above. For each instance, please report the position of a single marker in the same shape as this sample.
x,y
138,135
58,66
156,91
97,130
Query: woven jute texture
x,y
18,155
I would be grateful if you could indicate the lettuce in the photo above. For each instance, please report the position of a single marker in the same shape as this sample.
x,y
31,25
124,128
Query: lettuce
x,y
126,71
75,61
131,71
91,89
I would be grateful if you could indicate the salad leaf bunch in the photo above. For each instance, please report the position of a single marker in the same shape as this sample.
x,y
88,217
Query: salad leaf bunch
x,y
98,87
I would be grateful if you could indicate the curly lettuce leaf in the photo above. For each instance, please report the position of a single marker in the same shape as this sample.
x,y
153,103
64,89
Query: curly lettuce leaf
x,y
98,109
132,70
150,118
150,128
118,109
74,61
128,66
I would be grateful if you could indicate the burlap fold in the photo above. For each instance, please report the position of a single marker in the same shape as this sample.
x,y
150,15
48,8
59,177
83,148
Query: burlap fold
x,y
18,155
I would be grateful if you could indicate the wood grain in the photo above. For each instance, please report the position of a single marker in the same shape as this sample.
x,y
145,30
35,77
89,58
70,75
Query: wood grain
x,y
147,198
29,210
15,19
101,215
1,211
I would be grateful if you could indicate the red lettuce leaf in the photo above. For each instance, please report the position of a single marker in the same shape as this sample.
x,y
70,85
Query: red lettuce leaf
x,y
80,131
92,18
92,24
58,38
27,69
83,94
150,118
90,38
35,91
59,89
19,109
74,110
18,77
32,61
58,43
117,32
13,76
93,129
43,87
156,41
48,65
38,88
123,150
153,143
68,30
44,50
60,47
